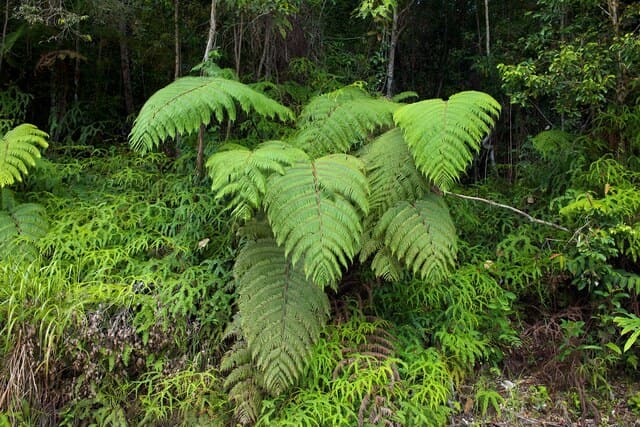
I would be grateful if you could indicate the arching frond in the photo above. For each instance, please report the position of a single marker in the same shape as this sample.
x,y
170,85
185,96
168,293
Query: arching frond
x,y
392,173
336,121
242,174
18,151
421,235
282,314
182,106
315,210
443,135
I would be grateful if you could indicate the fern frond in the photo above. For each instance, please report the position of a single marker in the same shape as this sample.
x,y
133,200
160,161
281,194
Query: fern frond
x,y
242,383
20,227
182,106
315,210
421,235
18,151
242,174
392,173
336,121
282,314
443,135
553,143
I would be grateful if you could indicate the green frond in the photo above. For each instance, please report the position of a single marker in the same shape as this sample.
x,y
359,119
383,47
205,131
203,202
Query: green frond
x,y
421,235
241,174
242,383
443,135
392,173
18,151
20,227
336,121
383,264
182,106
282,314
315,210
553,143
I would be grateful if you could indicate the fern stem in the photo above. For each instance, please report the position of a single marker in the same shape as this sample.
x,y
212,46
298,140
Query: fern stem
x,y
511,208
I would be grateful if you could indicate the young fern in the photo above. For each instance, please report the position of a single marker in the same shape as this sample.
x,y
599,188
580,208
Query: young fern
x,y
182,106
18,151
444,135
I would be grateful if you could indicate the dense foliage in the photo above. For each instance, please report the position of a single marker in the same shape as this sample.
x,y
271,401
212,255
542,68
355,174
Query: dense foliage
x,y
295,241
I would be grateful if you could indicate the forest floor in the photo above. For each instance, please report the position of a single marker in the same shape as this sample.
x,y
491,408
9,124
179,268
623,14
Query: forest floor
x,y
527,402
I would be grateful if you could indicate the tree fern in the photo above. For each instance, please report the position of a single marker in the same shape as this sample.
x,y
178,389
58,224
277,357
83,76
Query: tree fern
x,y
182,106
282,314
421,235
242,174
315,210
18,151
336,121
443,135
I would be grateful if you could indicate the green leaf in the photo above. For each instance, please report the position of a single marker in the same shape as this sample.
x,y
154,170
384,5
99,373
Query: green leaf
x,y
18,151
182,106
315,210
421,235
282,314
242,174
444,135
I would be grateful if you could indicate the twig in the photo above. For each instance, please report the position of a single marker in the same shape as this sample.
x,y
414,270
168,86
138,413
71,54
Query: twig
x,y
511,208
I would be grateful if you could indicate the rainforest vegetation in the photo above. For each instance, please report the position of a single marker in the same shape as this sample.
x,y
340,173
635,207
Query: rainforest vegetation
x,y
319,213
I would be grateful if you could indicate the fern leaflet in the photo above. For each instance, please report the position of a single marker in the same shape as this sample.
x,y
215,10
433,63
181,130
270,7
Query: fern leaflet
x,y
443,135
315,210
336,121
20,226
182,106
421,235
242,173
18,151
282,314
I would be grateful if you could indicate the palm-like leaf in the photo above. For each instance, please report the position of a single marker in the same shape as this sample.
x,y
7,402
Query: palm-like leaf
x,y
421,235
282,314
443,135
336,121
242,174
315,210
182,106
18,151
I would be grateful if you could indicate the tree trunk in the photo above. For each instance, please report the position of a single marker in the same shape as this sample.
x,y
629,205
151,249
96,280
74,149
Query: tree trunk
x,y
238,32
392,53
125,66
210,45
176,37
4,32
265,48
487,28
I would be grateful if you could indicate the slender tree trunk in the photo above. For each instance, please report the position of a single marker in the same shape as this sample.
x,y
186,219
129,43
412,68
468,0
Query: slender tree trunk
x,y
238,33
210,45
487,28
392,53
4,32
265,48
125,66
176,36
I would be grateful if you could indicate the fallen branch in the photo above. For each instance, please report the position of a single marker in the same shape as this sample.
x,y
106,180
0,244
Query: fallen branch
x,y
511,208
